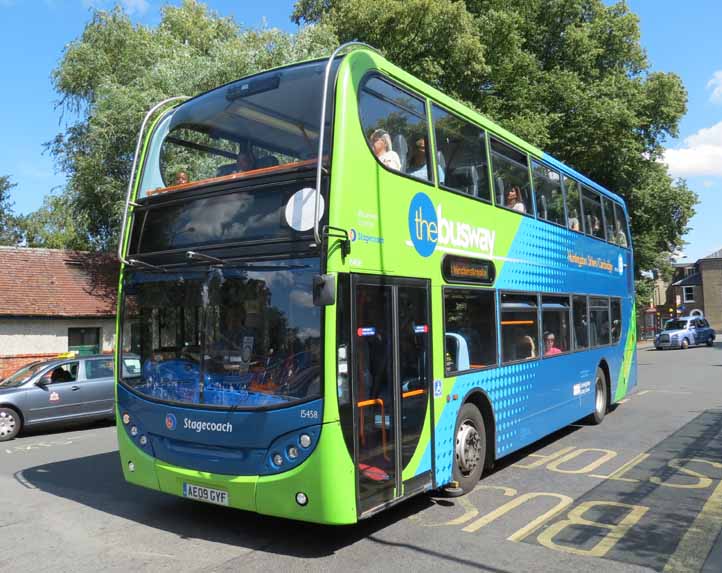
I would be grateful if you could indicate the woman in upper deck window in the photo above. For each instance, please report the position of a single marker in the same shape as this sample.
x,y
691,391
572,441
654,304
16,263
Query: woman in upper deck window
x,y
381,144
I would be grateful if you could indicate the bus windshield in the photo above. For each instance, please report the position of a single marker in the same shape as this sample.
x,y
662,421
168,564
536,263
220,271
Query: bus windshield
x,y
241,337
258,124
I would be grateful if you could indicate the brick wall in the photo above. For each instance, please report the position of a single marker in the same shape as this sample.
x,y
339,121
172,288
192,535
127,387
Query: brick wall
x,y
711,270
9,364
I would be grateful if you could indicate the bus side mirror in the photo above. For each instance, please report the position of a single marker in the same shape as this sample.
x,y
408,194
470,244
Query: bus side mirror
x,y
324,290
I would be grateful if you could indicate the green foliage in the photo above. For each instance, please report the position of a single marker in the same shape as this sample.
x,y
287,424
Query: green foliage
x,y
56,225
9,233
114,73
567,75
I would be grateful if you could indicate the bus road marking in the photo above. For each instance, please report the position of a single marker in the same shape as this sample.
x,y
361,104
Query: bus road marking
x,y
643,392
618,473
606,455
697,542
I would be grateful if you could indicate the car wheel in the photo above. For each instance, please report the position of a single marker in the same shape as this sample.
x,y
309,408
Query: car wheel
x,y
10,424
685,344
710,341
469,447
601,400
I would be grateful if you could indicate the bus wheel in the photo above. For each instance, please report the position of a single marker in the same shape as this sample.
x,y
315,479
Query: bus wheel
x,y
9,424
469,447
601,400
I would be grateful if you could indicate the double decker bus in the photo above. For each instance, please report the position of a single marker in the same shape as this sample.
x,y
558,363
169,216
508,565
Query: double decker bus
x,y
345,289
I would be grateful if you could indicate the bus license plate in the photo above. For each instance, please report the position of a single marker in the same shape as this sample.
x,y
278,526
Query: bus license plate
x,y
207,494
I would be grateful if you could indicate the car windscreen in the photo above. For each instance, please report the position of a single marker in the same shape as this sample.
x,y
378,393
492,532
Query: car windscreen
x,y
239,337
22,375
262,123
676,325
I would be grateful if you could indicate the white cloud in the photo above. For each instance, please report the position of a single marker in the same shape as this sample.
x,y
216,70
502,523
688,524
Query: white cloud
x,y
716,84
701,154
707,183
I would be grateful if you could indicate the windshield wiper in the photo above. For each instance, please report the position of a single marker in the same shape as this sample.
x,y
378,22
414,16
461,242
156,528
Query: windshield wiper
x,y
136,262
196,256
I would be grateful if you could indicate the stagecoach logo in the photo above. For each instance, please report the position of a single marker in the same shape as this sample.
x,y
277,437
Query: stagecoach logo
x,y
170,421
355,235
428,228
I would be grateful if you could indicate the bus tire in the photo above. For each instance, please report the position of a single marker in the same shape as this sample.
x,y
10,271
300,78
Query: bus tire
x,y
601,398
10,424
469,447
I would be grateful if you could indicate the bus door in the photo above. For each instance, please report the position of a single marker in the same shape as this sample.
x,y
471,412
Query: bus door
x,y
391,385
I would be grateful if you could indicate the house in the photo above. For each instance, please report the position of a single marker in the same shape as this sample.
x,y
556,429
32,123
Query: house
x,y
54,301
695,288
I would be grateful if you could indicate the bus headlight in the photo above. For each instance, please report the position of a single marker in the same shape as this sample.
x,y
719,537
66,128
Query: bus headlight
x,y
134,431
278,460
301,498
292,452
304,440
126,418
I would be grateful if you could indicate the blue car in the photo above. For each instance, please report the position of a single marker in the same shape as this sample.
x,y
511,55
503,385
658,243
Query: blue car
x,y
684,332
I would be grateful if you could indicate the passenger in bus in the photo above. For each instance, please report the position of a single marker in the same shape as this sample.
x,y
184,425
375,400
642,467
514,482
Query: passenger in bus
x,y
245,161
574,220
181,178
417,166
381,144
550,348
525,347
513,200
620,237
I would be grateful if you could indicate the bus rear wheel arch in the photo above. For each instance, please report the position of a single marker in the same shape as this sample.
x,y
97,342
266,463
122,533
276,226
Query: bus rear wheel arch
x,y
473,444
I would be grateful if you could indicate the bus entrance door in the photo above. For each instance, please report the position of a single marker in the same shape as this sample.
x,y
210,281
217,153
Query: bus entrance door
x,y
391,382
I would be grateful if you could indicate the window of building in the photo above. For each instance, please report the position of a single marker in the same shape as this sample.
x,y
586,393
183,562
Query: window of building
x,y
616,308
580,322
461,155
470,329
511,178
555,325
593,218
599,326
394,124
519,327
688,294
84,340
573,198
621,233
95,369
548,191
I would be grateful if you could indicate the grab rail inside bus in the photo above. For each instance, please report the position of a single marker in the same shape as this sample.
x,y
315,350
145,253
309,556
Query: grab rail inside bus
x,y
138,145
321,132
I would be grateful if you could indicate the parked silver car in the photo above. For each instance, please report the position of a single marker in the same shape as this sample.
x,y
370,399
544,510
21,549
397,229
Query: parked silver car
x,y
58,390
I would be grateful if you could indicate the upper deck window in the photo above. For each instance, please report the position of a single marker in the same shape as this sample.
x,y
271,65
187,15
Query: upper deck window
x,y
548,190
573,199
395,127
511,178
621,232
461,155
269,120
593,218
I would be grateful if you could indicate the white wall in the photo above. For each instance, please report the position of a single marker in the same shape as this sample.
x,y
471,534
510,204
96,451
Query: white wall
x,y
46,336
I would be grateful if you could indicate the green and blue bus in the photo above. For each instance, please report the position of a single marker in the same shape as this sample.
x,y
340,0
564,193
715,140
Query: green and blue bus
x,y
345,289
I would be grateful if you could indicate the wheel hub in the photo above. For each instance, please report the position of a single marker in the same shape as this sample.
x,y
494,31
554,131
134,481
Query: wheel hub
x,y
7,424
468,448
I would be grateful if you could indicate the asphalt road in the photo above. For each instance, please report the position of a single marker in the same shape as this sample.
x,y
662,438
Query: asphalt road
x,y
641,492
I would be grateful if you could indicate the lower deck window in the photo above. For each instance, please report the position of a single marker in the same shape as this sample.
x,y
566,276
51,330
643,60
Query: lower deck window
x,y
519,327
470,329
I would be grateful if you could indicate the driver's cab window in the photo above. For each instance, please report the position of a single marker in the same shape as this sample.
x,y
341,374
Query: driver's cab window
x,y
67,372
395,128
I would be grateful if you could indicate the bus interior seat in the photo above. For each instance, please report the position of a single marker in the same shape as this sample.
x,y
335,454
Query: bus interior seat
x,y
545,210
266,161
465,178
499,185
401,148
226,169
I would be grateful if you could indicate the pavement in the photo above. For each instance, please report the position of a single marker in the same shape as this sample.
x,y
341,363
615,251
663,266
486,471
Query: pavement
x,y
641,492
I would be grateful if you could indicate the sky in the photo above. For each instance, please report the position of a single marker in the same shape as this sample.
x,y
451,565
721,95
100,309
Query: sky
x,y
679,37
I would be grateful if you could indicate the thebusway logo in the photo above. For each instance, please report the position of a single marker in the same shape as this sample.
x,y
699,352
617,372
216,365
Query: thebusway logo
x,y
428,229
170,421
199,427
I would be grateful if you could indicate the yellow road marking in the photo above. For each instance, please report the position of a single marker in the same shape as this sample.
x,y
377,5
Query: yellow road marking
x,y
697,541
617,475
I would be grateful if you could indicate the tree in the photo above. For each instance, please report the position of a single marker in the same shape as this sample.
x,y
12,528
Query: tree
x,y
9,233
116,71
569,76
